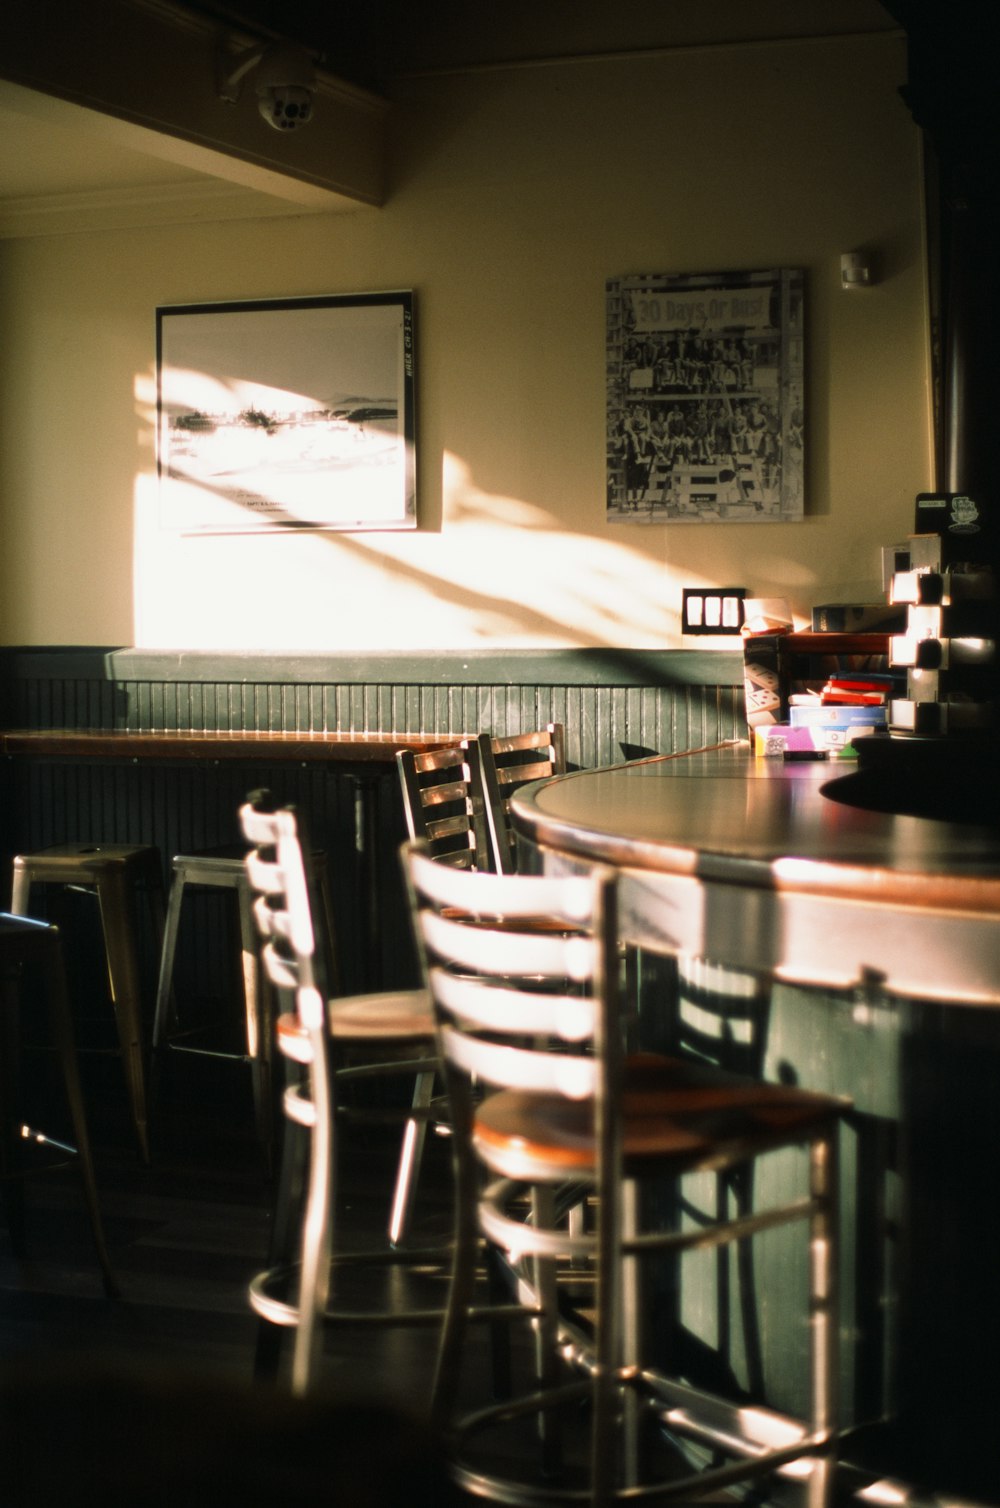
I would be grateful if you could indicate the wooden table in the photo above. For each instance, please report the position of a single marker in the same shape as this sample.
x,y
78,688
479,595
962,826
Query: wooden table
x,y
883,934
366,758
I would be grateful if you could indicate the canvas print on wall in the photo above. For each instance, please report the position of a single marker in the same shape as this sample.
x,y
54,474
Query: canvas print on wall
x,y
704,382
287,414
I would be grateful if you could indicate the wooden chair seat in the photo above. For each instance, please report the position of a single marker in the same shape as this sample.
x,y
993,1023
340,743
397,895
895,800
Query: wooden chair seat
x,y
394,1015
403,1015
674,1113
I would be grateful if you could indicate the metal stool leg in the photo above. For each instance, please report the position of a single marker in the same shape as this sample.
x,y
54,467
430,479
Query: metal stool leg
x,y
164,1014
410,1158
20,888
29,942
123,975
62,1034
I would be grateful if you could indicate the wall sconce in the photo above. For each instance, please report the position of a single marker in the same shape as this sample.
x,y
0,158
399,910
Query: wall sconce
x,y
855,270
285,83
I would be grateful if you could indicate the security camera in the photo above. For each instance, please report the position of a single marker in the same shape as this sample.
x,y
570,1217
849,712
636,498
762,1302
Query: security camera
x,y
285,85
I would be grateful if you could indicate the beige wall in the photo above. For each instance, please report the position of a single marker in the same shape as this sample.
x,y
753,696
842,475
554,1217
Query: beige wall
x,y
514,193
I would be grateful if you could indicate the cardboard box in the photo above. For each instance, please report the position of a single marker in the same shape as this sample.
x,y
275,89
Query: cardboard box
x,y
834,727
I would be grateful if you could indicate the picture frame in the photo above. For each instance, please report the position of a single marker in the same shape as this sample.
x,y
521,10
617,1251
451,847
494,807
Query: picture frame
x,y
287,414
705,412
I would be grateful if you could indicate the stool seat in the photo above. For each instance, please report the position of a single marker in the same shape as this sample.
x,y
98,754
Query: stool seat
x,y
114,872
86,861
25,944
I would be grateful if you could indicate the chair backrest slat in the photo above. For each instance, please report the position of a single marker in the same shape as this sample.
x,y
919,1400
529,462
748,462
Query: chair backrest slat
x,y
520,1007
438,802
283,904
507,763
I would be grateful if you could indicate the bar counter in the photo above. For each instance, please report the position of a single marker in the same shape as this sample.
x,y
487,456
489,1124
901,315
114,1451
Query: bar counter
x,y
880,934
196,743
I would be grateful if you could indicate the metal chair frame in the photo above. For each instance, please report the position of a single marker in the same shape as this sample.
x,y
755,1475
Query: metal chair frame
x,y
394,1033
544,1096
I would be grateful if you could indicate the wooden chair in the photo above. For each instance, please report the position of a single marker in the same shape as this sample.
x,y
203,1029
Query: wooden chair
x,y
543,1095
457,799
505,764
337,1043
443,795
25,946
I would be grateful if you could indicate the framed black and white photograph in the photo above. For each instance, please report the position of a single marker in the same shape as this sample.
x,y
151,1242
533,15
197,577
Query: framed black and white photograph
x,y
705,419
287,414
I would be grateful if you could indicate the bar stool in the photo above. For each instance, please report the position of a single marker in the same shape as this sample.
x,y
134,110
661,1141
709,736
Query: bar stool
x,y
225,869
336,1042
116,873
545,1098
27,944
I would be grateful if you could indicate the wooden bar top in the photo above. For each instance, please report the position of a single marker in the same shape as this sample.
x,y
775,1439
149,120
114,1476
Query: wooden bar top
x,y
726,815
190,744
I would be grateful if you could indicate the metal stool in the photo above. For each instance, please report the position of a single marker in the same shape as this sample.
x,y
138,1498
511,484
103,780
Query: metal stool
x,y
26,944
114,872
225,869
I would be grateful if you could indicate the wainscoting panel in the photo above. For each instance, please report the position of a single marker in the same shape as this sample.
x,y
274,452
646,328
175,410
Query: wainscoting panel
x,y
613,705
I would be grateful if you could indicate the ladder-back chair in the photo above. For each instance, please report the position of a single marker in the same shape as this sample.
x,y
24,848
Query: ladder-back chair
x,y
544,1095
338,1043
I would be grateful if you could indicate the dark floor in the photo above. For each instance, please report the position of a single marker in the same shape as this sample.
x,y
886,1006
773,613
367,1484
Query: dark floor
x,y
151,1398
185,1235
117,1385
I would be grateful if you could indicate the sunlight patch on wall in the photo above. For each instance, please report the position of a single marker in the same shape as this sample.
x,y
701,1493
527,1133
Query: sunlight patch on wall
x,y
501,571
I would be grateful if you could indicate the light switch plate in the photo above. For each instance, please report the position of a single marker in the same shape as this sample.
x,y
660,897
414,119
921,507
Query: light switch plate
x,y
712,609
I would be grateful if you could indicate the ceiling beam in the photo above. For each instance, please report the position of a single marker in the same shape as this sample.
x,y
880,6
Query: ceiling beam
x,y
147,72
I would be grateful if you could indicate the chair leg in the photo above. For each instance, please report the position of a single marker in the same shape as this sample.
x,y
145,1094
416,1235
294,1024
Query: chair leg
x,y
824,1282
410,1158
743,1179
258,1016
62,1034
123,974
282,1246
447,1376
546,1330
20,890
316,1247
